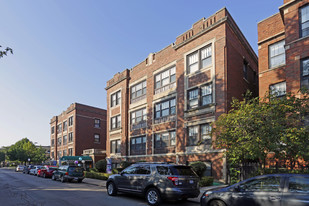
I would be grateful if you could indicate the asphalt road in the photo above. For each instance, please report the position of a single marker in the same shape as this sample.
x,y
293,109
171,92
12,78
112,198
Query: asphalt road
x,y
18,189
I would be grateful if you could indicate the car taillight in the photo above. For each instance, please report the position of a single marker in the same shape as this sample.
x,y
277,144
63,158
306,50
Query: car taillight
x,y
66,173
174,180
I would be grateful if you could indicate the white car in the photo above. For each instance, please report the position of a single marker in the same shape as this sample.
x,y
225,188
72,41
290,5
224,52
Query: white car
x,y
34,170
19,168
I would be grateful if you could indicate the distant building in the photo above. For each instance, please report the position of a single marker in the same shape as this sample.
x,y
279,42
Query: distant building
x,y
79,128
283,41
162,109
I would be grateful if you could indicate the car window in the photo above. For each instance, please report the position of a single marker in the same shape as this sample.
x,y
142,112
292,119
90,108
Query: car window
x,y
299,184
164,170
130,170
75,169
268,184
183,171
144,170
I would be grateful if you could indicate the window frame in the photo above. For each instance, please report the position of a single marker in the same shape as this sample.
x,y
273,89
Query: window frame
x,y
117,122
97,123
200,59
65,140
97,138
275,95
301,29
200,96
270,66
134,150
65,126
117,100
143,116
171,109
70,121
171,139
200,134
143,91
70,139
302,76
117,149
171,79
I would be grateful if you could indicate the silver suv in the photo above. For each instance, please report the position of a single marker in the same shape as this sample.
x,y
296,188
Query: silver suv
x,y
156,181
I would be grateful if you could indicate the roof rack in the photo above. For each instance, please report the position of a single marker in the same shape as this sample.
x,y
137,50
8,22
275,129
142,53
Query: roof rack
x,y
153,162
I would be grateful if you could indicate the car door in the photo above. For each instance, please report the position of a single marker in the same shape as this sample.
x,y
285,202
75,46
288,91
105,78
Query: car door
x,y
261,191
141,178
296,192
124,179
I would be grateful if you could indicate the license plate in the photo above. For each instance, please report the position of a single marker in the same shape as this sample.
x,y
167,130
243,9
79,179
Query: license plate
x,y
191,181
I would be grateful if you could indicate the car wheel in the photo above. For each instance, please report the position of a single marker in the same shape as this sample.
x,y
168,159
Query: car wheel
x,y
111,189
69,180
53,177
79,180
153,196
217,203
62,179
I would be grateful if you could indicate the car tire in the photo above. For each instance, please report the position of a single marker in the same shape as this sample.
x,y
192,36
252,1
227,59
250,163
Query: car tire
x,y
79,181
62,179
217,203
153,197
111,189
53,177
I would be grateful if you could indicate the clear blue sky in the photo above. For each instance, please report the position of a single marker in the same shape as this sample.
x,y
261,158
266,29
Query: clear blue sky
x,y
65,51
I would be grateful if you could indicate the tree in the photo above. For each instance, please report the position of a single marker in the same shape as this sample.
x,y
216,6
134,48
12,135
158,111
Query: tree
x,y
2,156
5,51
255,127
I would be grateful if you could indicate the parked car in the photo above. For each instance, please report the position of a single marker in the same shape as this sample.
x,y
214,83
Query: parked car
x,y
27,169
156,182
46,171
266,190
34,170
19,168
68,173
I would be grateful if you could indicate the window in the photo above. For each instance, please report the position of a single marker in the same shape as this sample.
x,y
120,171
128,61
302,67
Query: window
x,y
276,54
165,108
71,137
97,138
64,153
138,146
52,130
70,121
278,90
200,96
268,184
138,116
52,155
65,126
59,141
115,146
304,21
59,128
115,99
245,70
116,122
165,80
59,154
65,140
52,142
138,91
70,151
97,123
199,133
143,170
299,185
166,139
130,170
199,59
305,73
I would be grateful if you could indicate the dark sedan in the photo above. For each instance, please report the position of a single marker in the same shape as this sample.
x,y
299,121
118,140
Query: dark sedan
x,y
266,190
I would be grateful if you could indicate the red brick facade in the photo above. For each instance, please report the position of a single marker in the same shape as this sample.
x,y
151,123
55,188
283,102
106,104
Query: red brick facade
x,y
179,91
84,123
285,25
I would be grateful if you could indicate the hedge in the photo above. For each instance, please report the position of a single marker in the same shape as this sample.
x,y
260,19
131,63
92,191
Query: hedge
x,y
206,181
97,175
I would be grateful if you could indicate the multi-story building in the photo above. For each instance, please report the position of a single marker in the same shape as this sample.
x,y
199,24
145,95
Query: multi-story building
x,y
283,41
162,109
78,128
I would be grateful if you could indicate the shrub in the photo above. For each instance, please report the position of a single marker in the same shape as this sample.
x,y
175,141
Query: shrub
x,y
93,170
199,168
101,165
206,181
97,175
125,164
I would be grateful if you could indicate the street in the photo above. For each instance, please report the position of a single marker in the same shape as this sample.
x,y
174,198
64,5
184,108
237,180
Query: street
x,y
17,188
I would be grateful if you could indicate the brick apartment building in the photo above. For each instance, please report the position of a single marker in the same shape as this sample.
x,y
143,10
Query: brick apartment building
x,y
283,41
162,109
79,129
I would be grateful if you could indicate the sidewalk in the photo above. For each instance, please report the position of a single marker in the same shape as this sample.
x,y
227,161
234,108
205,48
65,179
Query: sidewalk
x,y
102,183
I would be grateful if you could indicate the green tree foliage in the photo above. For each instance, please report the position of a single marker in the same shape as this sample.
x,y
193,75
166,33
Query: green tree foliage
x,y
24,149
2,156
5,51
255,127
199,168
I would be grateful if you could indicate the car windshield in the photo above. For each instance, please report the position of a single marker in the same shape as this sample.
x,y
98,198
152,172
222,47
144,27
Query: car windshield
x,y
75,169
183,171
52,168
